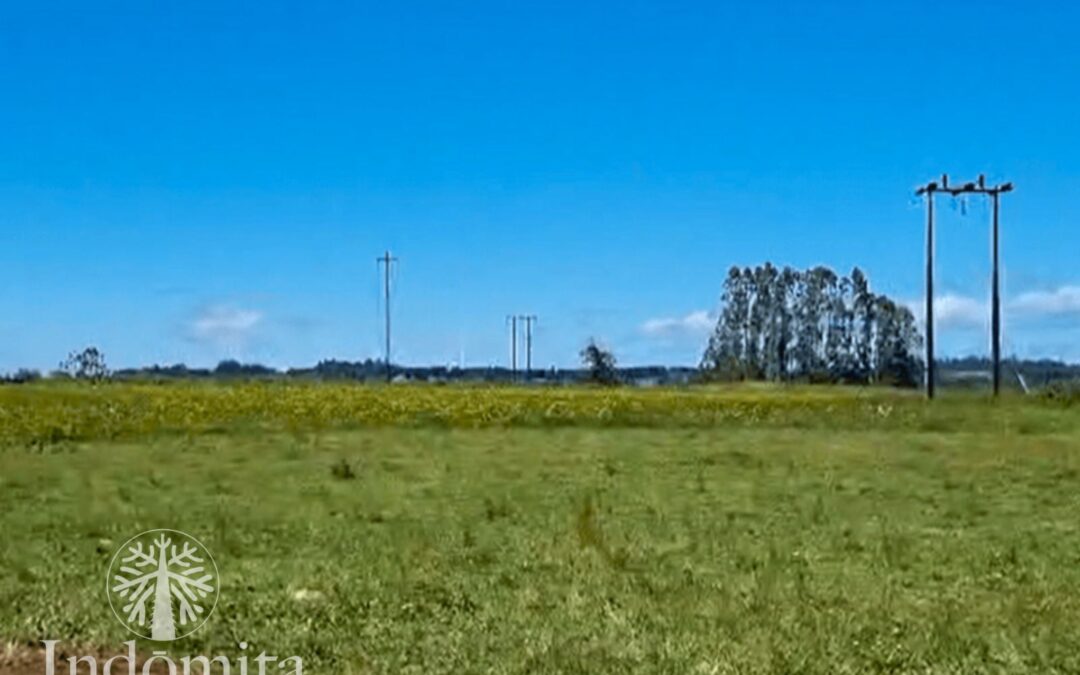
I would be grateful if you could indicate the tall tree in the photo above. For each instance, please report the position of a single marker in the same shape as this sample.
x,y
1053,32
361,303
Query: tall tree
x,y
725,352
787,284
863,320
812,312
761,341
767,310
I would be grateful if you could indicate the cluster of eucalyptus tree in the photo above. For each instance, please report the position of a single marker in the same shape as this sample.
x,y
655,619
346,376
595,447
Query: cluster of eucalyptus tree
x,y
784,324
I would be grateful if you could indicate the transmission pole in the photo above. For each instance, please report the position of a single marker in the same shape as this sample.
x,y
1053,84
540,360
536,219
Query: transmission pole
x,y
529,319
995,192
386,260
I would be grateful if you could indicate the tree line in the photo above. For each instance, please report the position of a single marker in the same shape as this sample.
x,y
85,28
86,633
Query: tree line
x,y
785,324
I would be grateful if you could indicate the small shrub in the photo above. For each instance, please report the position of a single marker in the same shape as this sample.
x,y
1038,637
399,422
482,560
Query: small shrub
x,y
22,376
495,510
1066,392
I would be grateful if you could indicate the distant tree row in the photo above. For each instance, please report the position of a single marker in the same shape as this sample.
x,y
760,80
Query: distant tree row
x,y
784,324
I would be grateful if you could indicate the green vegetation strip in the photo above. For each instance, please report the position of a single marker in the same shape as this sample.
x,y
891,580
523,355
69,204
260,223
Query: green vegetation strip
x,y
47,415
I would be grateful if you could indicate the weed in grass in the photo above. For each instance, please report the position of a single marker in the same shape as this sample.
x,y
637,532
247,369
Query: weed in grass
x,y
343,470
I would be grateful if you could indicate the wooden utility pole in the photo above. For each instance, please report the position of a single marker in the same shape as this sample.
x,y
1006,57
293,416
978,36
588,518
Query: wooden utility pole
x,y
386,260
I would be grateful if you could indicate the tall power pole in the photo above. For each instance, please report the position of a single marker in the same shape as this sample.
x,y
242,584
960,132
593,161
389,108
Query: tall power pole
x,y
529,320
386,260
995,297
995,192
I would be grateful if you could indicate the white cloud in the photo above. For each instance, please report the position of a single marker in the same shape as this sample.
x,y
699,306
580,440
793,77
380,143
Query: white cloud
x,y
1064,300
958,311
694,324
223,324
952,311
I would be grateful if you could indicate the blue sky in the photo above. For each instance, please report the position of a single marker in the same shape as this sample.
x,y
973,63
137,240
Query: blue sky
x,y
195,181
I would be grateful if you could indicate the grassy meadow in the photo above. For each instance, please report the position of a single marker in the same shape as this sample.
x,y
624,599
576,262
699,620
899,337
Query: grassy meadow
x,y
424,529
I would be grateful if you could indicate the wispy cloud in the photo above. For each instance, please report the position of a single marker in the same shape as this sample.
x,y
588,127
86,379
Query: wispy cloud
x,y
695,324
960,311
1057,302
225,325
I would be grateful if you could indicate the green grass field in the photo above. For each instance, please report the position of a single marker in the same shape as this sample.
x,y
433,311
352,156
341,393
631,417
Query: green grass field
x,y
456,530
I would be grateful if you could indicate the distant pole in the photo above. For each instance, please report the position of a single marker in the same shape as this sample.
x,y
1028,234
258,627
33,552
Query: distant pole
x,y
529,319
528,345
386,260
513,346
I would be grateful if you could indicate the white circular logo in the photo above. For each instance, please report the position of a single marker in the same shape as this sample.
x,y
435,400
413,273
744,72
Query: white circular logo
x,y
162,584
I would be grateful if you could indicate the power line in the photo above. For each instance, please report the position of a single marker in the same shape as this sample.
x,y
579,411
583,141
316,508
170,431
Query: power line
x,y
387,261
